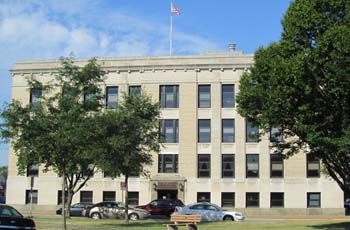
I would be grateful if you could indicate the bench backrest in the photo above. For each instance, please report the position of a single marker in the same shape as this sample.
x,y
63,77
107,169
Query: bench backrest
x,y
186,218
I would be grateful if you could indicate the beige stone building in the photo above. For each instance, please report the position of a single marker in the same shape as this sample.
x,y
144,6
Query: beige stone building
x,y
210,152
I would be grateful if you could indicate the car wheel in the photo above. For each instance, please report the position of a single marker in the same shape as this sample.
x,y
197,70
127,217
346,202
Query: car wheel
x,y
228,218
96,216
134,216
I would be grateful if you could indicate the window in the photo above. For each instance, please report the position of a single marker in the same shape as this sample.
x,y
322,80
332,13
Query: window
x,y
203,165
31,196
167,163
276,164
252,200
228,165
228,130
88,95
89,171
313,200
277,200
35,96
227,199
108,196
228,96
313,166
204,131
59,197
276,134
252,132
204,96
203,196
111,97
169,96
133,198
86,197
33,170
252,165
169,130
135,90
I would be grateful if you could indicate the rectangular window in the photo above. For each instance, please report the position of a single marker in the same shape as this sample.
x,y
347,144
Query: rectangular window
x,y
228,131
203,196
277,200
313,166
111,97
228,166
33,170
86,197
228,96
108,196
203,165
276,134
89,171
228,199
133,198
204,131
31,196
252,200
169,131
252,132
203,96
167,163
59,196
252,167
35,96
169,96
135,90
313,200
276,165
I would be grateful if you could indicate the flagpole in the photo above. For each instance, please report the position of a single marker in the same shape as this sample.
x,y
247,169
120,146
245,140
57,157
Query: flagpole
x,y
171,28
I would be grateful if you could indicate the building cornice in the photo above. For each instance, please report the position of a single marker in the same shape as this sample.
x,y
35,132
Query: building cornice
x,y
210,62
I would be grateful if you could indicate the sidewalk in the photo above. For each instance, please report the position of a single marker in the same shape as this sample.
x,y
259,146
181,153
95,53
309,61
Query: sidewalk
x,y
298,218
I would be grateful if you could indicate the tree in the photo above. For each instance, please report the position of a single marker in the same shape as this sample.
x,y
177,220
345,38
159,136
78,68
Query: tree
x,y
131,134
302,84
3,177
59,132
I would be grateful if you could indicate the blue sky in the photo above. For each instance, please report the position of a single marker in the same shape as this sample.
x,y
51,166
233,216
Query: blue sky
x,y
49,29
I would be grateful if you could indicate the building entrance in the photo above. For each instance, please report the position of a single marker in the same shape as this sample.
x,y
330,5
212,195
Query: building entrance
x,y
167,194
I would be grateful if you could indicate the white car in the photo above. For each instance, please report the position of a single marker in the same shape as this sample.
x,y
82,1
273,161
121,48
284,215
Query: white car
x,y
210,212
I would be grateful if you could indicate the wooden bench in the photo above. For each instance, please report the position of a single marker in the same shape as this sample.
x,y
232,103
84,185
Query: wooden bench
x,y
190,221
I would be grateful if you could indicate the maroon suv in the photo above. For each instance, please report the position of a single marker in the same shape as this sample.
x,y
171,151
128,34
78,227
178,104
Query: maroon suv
x,y
161,207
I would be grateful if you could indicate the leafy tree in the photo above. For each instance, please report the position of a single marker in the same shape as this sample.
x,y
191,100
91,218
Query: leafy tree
x,y
302,84
3,176
59,132
130,135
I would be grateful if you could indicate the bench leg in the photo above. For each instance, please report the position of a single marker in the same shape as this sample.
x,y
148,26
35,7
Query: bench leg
x,y
192,227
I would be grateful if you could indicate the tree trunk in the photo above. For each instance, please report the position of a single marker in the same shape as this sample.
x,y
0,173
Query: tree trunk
x,y
126,200
69,201
64,227
347,202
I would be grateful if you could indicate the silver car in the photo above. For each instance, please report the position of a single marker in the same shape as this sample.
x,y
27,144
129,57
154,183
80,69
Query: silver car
x,y
115,210
210,212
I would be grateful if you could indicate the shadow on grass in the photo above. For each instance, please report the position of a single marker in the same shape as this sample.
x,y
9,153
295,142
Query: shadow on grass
x,y
333,226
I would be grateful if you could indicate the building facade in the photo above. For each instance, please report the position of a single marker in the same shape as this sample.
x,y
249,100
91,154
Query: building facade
x,y
210,153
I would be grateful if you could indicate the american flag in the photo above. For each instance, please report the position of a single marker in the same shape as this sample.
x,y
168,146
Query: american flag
x,y
175,10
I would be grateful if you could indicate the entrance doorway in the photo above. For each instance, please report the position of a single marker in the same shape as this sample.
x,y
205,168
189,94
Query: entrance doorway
x,y
167,194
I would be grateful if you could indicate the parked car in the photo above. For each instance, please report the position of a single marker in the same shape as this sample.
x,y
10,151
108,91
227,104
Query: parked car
x,y
10,218
114,210
76,209
210,212
162,206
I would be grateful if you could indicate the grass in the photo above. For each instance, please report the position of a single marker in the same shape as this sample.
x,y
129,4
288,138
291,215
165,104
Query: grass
x,y
90,224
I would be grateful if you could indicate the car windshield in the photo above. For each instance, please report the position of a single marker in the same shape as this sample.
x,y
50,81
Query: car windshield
x,y
9,211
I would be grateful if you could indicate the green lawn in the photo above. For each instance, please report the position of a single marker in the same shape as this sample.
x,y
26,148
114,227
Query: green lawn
x,y
89,224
